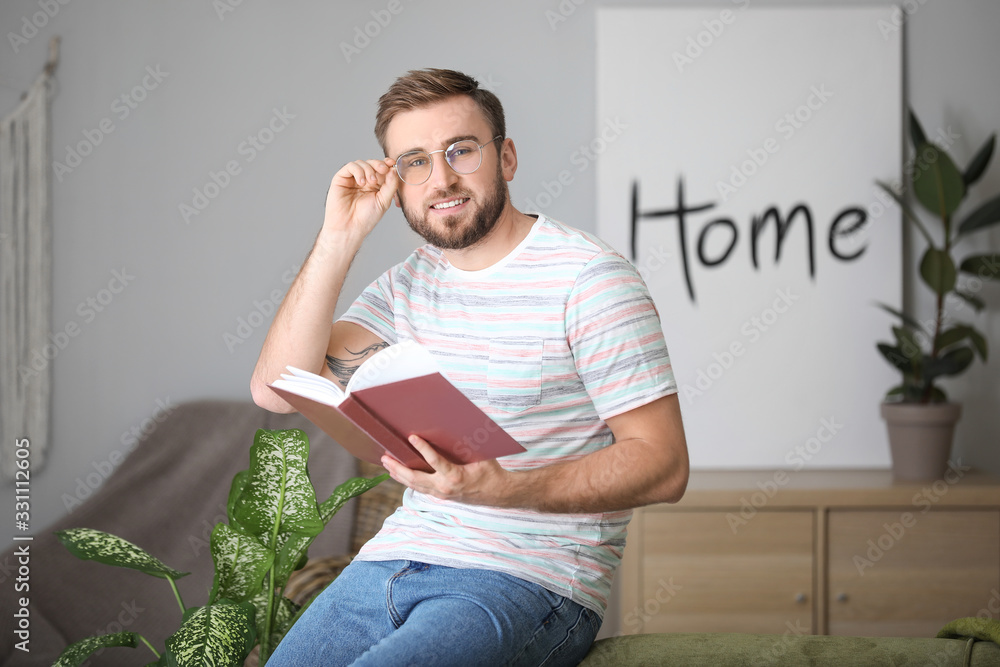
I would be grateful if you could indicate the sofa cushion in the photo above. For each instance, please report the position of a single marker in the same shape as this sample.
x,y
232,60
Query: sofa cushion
x,y
752,650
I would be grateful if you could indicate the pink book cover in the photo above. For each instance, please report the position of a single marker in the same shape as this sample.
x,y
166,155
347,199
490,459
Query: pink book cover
x,y
378,420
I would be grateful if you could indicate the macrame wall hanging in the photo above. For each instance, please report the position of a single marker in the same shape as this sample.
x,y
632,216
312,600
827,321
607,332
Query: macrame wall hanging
x,y
26,275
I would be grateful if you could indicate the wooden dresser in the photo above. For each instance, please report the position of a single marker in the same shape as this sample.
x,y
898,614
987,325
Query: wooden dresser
x,y
809,552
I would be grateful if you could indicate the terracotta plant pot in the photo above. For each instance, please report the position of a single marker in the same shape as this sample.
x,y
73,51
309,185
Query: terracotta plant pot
x,y
920,437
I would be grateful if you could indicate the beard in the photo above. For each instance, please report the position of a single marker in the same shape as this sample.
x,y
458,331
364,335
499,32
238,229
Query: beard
x,y
457,236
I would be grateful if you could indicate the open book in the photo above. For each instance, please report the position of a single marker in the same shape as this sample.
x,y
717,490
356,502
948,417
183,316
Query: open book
x,y
397,392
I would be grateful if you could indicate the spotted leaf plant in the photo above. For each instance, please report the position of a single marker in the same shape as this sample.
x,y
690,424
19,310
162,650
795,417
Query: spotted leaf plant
x,y
273,517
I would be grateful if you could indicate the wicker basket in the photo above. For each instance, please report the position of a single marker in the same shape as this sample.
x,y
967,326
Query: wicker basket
x,y
374,506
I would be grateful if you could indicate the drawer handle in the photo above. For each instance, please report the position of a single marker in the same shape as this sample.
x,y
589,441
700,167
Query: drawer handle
x,y
800,598
841,597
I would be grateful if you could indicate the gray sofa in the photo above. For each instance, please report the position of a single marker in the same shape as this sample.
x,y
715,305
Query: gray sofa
x,y
171,490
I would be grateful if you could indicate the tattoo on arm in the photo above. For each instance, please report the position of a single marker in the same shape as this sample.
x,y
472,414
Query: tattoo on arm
x,y
343,369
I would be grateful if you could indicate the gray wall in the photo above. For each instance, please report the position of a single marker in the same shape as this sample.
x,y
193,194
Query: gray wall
x,y
163,338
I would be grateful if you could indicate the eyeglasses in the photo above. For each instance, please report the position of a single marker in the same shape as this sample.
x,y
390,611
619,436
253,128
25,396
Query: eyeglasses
x,y
415,167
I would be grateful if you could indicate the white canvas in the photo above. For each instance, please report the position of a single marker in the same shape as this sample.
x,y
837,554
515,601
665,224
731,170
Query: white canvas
x,y
752,108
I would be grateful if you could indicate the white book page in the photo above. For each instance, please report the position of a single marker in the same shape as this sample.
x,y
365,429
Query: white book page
x,y
401,361
310,385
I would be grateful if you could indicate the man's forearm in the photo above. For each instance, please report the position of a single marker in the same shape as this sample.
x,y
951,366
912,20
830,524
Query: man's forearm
x,y
300,332
648,463
628,474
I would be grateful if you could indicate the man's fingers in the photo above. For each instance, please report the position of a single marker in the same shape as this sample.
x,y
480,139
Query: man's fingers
x,y
427,451
362,172
388,190
369,174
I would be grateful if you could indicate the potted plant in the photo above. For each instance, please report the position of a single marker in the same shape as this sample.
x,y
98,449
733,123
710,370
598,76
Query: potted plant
x,y
273,517
919,416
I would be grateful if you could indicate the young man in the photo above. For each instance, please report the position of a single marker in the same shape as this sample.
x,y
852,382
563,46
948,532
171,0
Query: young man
x,y
550,332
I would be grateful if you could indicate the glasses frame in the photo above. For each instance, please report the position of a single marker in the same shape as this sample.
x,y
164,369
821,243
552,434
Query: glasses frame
x,y
445,151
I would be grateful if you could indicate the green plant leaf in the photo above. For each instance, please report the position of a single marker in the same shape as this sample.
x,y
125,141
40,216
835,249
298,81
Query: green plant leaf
x,y
979,343
909,321
952,336
916,394
241,562
278,496
896,357
917,135
938,270
284,611
77,652
979,163
90,544
895,394
971,299
952,362
352,488
938,395
986,215
188,613
293,547
235,489
908,212
937,183
908,392
907,344
986,267
220,634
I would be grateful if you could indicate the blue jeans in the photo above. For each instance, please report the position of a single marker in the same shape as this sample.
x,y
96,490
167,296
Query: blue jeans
x,y
389,613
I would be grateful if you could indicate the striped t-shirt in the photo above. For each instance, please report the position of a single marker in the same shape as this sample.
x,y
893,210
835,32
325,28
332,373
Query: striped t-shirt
x,y
550,341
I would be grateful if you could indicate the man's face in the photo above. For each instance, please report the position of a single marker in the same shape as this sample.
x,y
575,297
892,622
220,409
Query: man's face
x,y
450,210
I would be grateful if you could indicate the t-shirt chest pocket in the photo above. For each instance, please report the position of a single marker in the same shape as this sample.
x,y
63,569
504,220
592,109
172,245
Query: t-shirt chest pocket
x,y
514,378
